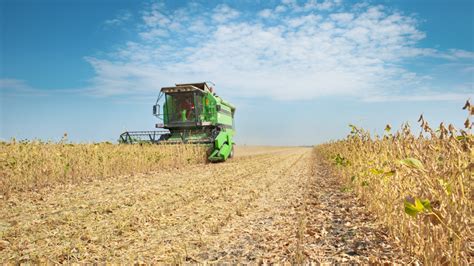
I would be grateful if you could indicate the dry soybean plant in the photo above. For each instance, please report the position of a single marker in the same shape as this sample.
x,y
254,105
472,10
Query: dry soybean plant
x,y
28,165
419,186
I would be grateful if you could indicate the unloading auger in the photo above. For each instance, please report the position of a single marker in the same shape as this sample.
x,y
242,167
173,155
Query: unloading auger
x,y
192,113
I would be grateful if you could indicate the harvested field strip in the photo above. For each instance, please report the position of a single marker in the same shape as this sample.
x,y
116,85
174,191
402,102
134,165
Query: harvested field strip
x,y
144,198
267,231
249,209
284,226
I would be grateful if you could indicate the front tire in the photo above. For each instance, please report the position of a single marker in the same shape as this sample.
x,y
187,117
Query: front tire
x,y
231,155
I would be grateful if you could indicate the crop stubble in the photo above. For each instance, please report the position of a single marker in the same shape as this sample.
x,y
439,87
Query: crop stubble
x,y
260,207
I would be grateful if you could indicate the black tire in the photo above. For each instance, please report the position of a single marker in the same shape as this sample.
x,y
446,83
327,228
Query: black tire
x,y
164,137
231,155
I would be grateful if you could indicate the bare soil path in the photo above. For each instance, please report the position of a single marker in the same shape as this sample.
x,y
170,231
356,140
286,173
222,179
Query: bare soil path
x,y
275,206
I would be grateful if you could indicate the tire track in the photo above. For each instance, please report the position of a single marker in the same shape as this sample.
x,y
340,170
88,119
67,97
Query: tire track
x,y
283,207
139,218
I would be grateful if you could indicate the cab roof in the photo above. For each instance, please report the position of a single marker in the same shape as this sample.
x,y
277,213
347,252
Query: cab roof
x,y
203,86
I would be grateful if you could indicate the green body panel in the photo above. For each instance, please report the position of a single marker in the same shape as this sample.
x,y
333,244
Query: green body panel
x,y
222,147
187,136
193,114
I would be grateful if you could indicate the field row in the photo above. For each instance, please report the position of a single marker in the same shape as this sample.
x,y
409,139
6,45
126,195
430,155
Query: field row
x,y
274,206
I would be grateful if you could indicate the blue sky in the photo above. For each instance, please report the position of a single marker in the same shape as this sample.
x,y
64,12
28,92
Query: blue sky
x,y
298,71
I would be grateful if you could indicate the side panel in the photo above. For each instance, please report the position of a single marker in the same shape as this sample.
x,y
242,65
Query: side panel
x,y
225,116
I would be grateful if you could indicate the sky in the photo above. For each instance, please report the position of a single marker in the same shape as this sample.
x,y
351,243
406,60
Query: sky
x,y
298,71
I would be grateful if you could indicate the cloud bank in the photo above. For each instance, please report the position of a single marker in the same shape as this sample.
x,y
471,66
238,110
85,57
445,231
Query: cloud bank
x,y
292,51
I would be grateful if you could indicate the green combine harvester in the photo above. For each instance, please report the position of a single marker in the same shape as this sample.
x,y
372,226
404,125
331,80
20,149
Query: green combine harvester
x,y
192,113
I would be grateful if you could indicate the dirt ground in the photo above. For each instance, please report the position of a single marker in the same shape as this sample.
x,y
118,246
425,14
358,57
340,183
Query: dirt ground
x,y
265,205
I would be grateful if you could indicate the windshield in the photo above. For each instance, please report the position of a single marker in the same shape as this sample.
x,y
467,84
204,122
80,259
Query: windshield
x,y
180,107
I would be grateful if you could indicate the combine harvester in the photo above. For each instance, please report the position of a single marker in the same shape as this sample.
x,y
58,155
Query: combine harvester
x,y
192,113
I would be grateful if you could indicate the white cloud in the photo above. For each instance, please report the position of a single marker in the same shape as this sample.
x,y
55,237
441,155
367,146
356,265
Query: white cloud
x,y
310,5
15,84
17,87
445,96
223,13
120,19
266,13
153,34
308,50
306,20
155,16
342,18
280,9
198,26
454,54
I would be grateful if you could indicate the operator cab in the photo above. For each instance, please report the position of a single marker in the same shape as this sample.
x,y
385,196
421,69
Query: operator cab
x,y
183,106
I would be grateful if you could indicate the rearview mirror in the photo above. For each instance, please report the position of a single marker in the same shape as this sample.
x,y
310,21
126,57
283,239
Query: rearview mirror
x,y
156,110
